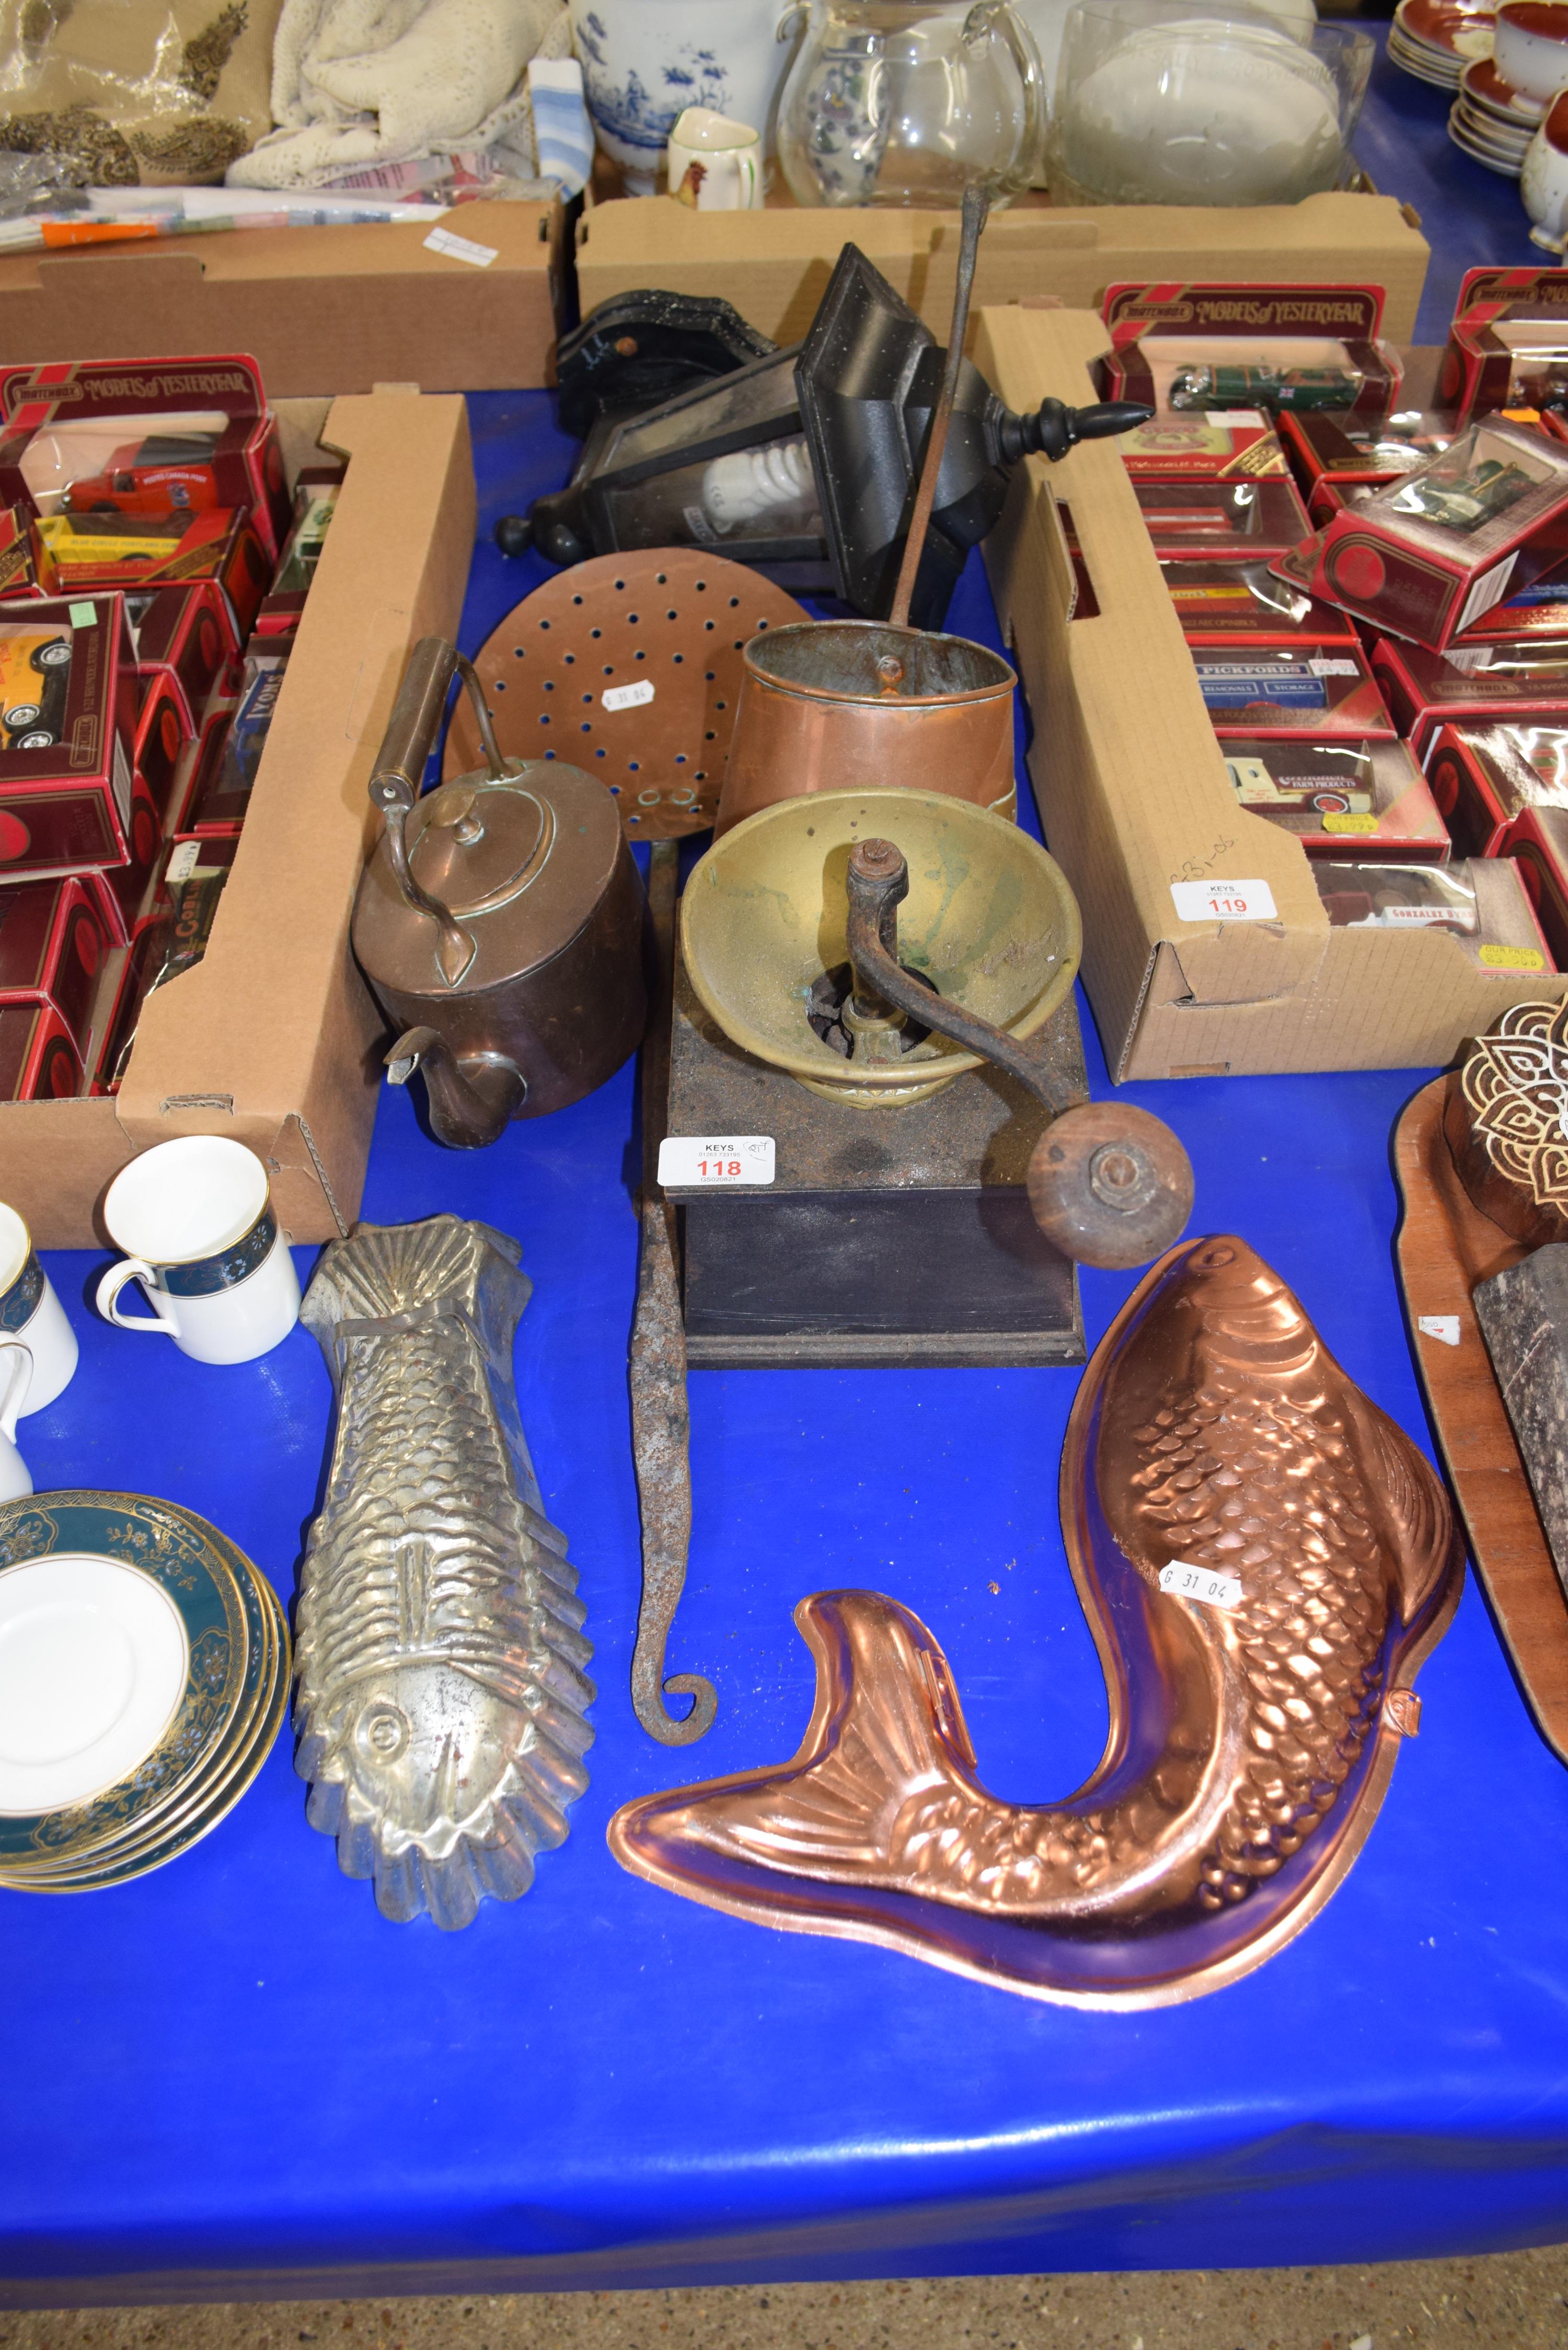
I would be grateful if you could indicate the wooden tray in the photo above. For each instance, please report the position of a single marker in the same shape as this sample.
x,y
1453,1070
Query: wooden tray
x,y
1445,1246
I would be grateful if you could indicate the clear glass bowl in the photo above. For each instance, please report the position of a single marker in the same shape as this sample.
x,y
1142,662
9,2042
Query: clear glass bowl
x,y
1157,104
890,103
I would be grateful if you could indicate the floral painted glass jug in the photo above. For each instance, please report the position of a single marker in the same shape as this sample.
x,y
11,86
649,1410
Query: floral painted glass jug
x,y
908,101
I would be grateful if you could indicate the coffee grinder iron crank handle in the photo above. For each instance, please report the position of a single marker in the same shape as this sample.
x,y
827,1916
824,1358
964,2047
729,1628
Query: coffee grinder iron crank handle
x,y
1109,1185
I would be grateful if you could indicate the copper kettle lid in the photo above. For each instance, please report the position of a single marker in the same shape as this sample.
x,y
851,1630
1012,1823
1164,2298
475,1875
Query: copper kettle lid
x,y
488,877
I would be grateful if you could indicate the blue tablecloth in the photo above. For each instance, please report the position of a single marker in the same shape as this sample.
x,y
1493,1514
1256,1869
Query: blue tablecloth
x,y
235,2076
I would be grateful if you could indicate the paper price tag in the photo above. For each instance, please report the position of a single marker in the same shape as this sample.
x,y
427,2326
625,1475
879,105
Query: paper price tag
x,y
707,1162
460,248
1320,667
1224,417
83,615
1202,1584
1224,901
1444,1327
183,859
627,697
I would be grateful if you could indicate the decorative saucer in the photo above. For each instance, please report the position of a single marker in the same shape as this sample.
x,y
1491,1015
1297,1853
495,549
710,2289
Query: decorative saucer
x,y
143,1672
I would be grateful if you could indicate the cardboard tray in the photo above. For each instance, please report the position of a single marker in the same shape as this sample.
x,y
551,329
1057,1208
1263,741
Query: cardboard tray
x,y
773,265
1132,796
272,1037
323,309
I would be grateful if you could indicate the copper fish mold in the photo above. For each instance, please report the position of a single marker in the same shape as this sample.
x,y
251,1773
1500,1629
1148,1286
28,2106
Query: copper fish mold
x,y
440,1700
1214,1447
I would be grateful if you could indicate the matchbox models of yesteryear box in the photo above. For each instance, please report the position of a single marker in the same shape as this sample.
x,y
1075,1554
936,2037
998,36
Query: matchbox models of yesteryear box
x,y
185,635
1365,799
1430,553
1207,948
1484,777
143,437
53,949
147,551
27,567
1338,453
1470,684
67,724
1486,906
1324,691
1244,599
1203,448
1199,521
38,1059
1204,350
1508,345
272,1037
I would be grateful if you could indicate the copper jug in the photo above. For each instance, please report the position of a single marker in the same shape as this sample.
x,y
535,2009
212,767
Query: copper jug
x,y
499,923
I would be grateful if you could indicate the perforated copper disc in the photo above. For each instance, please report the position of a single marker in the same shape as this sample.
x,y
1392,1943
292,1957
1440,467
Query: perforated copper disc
x,y
672,620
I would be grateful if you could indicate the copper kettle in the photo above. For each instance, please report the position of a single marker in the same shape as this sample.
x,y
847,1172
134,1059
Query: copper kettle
x,y
499,923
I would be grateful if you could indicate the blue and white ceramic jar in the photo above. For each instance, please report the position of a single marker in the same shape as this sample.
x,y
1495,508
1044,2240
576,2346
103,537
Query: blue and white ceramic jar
x,y
645,61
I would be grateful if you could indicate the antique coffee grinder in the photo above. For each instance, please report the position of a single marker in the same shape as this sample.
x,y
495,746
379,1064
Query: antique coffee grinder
x,y
880,984
499,922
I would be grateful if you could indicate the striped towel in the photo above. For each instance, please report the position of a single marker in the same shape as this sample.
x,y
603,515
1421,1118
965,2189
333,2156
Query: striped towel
x,y
563,134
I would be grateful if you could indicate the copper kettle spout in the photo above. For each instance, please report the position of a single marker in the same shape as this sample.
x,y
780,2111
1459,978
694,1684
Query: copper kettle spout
x,y
471,1097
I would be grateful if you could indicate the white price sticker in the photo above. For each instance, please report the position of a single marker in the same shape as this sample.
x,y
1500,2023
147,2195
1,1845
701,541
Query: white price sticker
x,y
460,248
1223,417
1202,1584
699,1162
627,697
1444,1327
183,859
1320,667
1224,901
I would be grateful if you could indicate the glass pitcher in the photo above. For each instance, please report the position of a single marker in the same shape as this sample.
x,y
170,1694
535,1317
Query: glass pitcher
x,y
907,102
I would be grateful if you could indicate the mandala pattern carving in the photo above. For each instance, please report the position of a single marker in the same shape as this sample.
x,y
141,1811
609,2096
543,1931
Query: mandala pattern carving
x,y
1515,1087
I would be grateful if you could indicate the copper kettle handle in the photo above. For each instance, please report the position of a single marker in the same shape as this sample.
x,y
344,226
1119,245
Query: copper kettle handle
x,y
395,784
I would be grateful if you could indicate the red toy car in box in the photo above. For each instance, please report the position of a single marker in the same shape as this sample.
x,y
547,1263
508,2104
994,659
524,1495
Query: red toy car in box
x,y
166,472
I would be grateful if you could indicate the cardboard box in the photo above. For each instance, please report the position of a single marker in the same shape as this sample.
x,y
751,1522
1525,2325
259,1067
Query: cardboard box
x,y
1131,784
272,1038
773,265
321,309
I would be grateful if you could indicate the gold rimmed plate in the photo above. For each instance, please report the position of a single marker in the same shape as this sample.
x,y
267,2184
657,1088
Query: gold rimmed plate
x,y
206,1797
120,1865
131,1634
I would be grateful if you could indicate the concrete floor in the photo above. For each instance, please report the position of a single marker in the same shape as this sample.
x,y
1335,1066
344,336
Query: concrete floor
x,y
1518,2299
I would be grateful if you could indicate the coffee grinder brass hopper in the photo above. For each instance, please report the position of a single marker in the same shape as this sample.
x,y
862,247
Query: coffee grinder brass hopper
x,y
877,944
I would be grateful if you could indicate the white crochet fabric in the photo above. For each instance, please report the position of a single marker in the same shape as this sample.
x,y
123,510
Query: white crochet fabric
x,y
356,82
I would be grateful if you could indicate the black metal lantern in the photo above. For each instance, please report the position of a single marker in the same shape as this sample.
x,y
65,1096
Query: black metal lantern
x,y
803,463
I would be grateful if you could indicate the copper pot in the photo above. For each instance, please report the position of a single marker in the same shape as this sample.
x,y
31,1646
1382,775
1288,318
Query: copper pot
x,y
858,705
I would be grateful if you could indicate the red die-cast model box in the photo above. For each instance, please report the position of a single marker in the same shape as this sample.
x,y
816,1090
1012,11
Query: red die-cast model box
x,y
131,433
1202,448
1343,453
131,552
1486,905
1427,555
1201,350
1197,521
27,567
38,1062
161,739
1471,684
1245,601
1365,800
1483,777
52,949
1325,690
67,720
185,635
1508,345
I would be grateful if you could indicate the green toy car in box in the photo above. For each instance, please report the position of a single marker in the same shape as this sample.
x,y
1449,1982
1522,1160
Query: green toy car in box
x,y
1261,386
